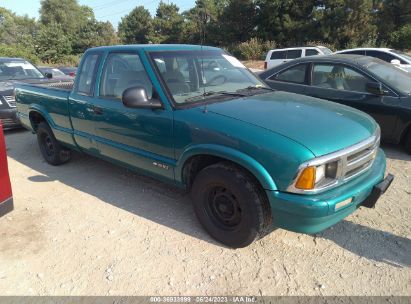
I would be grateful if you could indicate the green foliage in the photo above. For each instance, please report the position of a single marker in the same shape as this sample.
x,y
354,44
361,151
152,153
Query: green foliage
x,y
254,49
51,43
168,24
401,39
17,51
244,27
136,27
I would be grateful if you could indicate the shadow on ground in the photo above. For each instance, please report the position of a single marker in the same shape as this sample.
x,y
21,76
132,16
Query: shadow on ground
x,y
395,152
142,196
171,207
372,244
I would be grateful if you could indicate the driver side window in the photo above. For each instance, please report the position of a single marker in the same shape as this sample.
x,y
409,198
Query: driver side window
x,y
121,72
339,77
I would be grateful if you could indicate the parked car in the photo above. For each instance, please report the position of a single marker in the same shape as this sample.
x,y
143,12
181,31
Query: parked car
x,y
394,57
252,158
11,71
6,196
70,71
279,56
368,84
54,73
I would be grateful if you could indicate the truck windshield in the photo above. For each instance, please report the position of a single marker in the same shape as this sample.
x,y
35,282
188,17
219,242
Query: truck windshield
x,y
18,69
198,76
397,78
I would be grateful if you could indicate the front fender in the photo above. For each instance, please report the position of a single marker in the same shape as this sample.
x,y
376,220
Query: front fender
x,y
230,154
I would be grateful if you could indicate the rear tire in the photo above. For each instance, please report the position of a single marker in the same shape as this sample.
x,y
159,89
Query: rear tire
x,y
230,205
53,152
407,142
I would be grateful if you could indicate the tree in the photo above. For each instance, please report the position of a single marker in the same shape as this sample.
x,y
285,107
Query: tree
x,y
168,24
347,23
394,14
77,24
51,43
136,27
238,21
17,30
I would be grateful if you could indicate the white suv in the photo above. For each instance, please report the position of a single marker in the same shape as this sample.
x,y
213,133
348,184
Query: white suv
x,y
395,57
279,56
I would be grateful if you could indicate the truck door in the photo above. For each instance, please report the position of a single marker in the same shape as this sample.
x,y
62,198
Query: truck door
x,y
81,108
142,138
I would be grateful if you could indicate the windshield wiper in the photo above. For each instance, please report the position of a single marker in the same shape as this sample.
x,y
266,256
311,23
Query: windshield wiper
x,y
255,88
215,94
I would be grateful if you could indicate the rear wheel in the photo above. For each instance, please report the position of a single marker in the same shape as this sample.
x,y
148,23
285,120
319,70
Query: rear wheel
x,y
230,205
53,152
407,142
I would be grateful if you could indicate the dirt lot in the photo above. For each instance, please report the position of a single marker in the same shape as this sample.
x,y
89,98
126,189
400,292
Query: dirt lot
x,y
90,228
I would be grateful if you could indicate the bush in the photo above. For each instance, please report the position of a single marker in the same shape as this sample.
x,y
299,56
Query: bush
x,y
254,49
401,39
67,60
17,51
321,43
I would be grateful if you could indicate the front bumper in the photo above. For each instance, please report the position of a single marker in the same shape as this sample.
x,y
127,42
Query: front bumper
x,y
9,118
6,206
314,213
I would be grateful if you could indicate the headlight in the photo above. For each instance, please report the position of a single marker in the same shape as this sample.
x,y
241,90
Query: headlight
x,y
322,173
320,176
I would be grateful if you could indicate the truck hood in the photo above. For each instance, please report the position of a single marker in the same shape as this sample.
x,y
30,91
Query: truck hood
x,y
321,126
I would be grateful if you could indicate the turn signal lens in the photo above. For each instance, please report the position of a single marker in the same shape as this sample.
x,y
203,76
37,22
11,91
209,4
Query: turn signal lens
x,y
306,181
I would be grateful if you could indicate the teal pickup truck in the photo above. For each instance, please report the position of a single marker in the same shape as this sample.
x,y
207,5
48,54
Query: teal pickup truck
x,y
253,158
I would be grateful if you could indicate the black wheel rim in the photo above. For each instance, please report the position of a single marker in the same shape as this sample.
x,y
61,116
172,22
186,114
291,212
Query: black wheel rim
x,y
48,145
223,208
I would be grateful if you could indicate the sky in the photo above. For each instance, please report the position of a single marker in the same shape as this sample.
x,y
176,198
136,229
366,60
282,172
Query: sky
x,y
104,10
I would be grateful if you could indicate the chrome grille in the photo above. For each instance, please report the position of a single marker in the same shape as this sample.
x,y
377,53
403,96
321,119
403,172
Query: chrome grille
x,y
359,160
11,101
350,162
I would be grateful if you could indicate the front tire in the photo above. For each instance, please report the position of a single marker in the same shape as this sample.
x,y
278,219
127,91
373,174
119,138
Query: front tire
x,y
407,142
230,205
53,152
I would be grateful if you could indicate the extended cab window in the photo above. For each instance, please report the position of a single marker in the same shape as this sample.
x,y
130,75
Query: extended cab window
x,y
87,74
278,55
121,72
293,54
294,74
311,52
338,77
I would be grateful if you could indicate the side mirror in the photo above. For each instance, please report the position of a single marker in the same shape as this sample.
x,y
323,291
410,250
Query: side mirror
x,y
395,62
48,75
136,97
376,89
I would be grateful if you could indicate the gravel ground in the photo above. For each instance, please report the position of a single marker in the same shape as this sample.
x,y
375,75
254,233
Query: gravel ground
x,y
91,228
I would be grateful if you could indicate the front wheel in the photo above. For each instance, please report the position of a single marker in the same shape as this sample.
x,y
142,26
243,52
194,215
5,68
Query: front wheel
x,y
407,142
53,152
230,205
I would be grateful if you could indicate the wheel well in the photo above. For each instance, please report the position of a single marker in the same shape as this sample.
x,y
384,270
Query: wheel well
x,y
197,163
36,118
405,134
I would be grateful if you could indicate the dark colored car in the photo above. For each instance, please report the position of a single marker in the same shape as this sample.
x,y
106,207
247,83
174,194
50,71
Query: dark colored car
x,y
70,71
55,73
366,83
6,197
11,71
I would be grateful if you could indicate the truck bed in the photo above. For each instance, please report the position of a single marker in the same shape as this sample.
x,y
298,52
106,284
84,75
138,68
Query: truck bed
x,y
50,100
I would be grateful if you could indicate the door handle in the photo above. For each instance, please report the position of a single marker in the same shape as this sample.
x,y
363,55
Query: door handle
x,y
97,110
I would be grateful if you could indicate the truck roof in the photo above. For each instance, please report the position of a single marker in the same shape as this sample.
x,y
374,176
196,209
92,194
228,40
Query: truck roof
x,y
154,47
